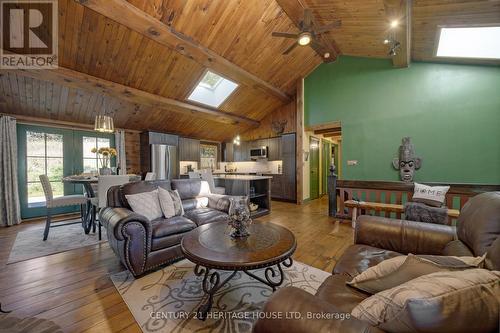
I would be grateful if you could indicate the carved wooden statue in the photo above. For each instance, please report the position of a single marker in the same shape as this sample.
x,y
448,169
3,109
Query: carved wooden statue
x,y
407,162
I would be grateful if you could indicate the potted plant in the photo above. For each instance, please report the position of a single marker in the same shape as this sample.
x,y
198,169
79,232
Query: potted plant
x,y
104,155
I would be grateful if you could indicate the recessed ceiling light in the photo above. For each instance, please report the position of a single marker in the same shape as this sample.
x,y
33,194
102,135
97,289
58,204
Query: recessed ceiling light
x,y
394,23
471,42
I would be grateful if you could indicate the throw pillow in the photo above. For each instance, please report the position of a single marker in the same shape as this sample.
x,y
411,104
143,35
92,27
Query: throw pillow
x,y
438,302
430,195
398,270
420,212
146,204
176,198
166,203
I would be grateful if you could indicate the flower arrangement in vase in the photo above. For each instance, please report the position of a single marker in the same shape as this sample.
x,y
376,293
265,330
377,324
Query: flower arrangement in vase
x,y
104,155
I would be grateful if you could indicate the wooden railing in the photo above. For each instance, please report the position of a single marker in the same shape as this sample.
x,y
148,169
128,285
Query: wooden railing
x,y
399,193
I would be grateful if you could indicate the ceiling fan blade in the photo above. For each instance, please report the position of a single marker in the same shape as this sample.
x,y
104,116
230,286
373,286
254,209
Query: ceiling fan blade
x,y
316,46
284,34
307,18
288,50
328,27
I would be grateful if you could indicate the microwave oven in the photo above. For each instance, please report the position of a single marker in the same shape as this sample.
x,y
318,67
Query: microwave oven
x,y
258,153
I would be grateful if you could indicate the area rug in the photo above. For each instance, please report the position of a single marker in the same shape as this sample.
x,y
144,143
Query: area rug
x,y
167,300
29,244
10,324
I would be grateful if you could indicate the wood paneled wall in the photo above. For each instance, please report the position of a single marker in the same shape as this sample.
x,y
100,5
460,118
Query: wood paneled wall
x,y
265,130
133,151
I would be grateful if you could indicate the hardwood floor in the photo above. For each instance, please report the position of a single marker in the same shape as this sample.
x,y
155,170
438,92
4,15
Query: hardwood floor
x,y
74,290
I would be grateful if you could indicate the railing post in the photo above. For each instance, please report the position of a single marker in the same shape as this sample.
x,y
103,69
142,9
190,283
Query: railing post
x,y
332,192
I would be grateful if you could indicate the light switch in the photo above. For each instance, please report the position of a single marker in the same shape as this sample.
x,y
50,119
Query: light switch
x,y
352,162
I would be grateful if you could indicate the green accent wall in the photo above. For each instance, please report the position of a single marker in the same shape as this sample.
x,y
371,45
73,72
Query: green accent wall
x,y
451,112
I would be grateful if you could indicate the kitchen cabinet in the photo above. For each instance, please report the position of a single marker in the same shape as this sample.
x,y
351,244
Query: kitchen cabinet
x,y
241,152
151,138
274,151
288,159
189,149
228,152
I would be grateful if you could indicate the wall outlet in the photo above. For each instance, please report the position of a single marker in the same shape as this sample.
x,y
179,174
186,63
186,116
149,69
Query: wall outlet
x,y
352,162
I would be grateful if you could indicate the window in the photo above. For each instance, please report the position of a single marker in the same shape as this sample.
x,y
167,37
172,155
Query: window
x,y
208,156
90,159
471,42
212,90
44,156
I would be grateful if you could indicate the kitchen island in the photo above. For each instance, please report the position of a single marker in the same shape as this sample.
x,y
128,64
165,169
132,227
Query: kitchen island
x,y
257,188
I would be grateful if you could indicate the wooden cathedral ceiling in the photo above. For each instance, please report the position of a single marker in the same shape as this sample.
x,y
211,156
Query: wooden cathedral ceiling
x,y
91,43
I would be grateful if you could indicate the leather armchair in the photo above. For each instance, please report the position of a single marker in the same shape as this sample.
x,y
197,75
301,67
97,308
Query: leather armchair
x,y
377,239
144,245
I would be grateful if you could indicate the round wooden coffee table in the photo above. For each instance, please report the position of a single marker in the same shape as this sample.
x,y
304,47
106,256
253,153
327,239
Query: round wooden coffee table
x,y
211,248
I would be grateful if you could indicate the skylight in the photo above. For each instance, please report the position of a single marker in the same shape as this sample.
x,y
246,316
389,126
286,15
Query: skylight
x,y
212,90
472,42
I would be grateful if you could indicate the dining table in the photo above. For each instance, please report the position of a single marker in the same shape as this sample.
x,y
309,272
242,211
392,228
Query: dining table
x,y
89,183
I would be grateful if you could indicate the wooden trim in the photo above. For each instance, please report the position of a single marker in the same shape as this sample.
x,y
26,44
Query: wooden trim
x,y
70,78
299,155
318,127
455,188
335,130
135,19
333,135
400,10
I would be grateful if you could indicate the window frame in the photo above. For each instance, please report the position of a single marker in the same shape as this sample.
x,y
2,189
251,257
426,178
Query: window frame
x,y
198,82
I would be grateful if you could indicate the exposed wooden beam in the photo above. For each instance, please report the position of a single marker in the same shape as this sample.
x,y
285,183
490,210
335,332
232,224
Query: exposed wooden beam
x,y
294,9
73,79
135,19
400,11
299,146
318,127
328,130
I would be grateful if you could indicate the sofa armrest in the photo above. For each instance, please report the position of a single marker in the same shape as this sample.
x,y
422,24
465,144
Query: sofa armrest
x,y
115,218
301,312
403,236
220,201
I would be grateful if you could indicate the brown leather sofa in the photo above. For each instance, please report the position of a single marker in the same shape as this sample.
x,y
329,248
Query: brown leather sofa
x,y
144,245
377,239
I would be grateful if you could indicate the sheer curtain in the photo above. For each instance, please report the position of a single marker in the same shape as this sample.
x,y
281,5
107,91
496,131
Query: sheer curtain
x,y
121,159
10,211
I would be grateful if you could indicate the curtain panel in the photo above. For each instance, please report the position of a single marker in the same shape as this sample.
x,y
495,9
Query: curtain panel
x,y
10,211
121,159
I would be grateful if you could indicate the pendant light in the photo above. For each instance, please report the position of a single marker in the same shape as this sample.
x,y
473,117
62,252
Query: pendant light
x,y
104,123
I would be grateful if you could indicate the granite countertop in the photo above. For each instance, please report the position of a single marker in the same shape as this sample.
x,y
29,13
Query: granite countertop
x,y
242,177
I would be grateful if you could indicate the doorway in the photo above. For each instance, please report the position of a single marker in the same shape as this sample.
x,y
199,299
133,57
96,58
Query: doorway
x,y
326,162
314,167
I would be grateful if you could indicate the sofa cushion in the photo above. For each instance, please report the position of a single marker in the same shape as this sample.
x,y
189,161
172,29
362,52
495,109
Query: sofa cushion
x,y
200,202
165,227
398,270
206,215
140,187
358,258
335,291
191,188
166,242
478,225
437,302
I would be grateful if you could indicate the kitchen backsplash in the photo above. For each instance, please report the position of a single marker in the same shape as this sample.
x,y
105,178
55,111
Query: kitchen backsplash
x,y
250,167
184,165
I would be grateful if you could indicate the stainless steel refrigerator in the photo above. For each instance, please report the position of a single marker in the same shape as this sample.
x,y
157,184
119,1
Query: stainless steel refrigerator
x,y
164,161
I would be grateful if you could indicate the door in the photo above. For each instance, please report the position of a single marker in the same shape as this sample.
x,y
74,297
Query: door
x,y
314,168
56,153
325,163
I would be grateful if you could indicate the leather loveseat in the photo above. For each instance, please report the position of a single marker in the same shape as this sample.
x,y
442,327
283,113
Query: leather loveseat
x,y
377,239
144,245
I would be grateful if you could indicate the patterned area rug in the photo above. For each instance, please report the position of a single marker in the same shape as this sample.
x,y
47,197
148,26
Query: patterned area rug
x,y
29,244
167,300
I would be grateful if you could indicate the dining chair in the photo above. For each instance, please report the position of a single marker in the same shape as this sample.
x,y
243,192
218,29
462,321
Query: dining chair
x,y
194,175
63,201
209,178
150,176
104,183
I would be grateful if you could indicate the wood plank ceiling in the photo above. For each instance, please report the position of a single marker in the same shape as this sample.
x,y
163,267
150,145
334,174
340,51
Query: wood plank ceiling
x,y
239,31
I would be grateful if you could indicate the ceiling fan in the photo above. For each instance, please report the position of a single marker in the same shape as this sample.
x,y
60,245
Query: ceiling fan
x,y
308,34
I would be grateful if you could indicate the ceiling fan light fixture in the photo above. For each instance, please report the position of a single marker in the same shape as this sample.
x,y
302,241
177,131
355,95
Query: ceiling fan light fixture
x,y
326,55
304,38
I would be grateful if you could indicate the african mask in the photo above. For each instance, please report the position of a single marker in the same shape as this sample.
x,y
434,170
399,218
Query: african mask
x,y
407,162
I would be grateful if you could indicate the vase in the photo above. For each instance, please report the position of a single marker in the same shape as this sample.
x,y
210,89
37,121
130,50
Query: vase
x,y
105,171
239,218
